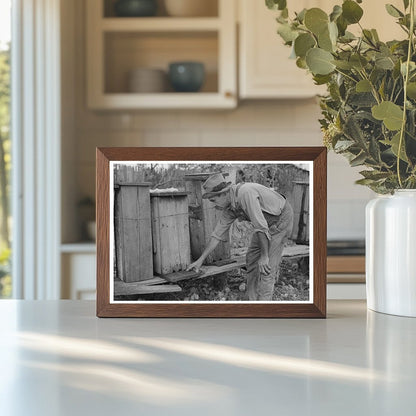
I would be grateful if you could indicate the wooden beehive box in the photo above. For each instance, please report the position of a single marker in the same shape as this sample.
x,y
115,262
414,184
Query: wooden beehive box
x,y
133,233
300,207
170,230
203,218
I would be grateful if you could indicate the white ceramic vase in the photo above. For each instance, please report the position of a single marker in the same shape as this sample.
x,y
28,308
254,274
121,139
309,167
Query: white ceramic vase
x,y
391,253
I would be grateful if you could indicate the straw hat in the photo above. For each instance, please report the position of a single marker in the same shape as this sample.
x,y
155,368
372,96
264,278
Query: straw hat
x,y
215,185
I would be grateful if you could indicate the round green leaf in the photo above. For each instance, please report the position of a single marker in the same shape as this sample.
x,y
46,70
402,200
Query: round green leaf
x,y
301,15
325,42
336,12
303,43
301,63
363,86
319,61
393,11
384,62
391,114
342,25
322,79
344,65
287,33
358,61
411,90
351,11
276,4
394,143
333,32
316,20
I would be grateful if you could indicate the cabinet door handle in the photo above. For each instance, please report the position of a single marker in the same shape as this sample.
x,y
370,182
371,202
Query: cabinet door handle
x,y
229,94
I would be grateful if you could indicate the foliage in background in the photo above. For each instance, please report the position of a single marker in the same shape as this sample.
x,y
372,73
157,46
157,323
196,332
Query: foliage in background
x,y
278,176
5,166
5,278
369,113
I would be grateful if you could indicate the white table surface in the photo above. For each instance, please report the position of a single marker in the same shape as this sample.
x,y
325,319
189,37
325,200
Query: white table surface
x,y
57,358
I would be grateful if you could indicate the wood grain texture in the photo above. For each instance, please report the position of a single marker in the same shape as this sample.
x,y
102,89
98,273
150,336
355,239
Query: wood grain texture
x,y
319,229
133,233
317,309
170,230
103,231
136,288
203,220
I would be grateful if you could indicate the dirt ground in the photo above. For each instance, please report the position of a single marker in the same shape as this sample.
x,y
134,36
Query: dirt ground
x,y
293,285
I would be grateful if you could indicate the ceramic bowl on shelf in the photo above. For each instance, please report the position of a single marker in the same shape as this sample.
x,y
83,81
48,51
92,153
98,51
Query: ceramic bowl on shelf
x,y
147,80
191,8
135,8
186,76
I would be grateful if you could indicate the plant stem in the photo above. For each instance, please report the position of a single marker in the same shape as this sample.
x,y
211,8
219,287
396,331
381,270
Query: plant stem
x,y
406,79
346,75
373,88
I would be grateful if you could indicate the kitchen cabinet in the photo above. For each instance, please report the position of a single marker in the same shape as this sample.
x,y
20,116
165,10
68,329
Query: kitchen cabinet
x,y
118,45
78,262
265,70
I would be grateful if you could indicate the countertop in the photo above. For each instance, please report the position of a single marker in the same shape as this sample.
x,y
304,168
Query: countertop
x,y
57,358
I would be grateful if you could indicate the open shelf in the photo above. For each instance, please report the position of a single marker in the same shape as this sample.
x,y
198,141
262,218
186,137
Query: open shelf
x,y
116,46
209,9
127,51
160,24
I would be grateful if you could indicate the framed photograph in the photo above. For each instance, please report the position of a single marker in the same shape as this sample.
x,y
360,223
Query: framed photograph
x,y
211,232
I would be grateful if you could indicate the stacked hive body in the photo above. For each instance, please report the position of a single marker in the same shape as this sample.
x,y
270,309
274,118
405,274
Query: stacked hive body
x,y
170,230
133,234
203,218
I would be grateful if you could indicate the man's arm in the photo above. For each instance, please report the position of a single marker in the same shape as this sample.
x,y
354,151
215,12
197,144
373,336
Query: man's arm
x,y
264,254
196,265
251,205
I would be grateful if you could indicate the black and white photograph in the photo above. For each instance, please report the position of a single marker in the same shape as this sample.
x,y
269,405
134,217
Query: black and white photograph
x,y
211,232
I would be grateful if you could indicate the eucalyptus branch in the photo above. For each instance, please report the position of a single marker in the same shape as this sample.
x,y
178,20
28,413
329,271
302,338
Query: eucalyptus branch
x,y
406,79
346,75
392,91
373,88
398,95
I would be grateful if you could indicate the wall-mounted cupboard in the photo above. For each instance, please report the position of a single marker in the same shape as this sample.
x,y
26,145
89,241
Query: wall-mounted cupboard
x,y
129,59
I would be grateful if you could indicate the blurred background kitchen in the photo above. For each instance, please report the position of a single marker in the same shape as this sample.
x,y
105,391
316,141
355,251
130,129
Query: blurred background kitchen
x,y
126,80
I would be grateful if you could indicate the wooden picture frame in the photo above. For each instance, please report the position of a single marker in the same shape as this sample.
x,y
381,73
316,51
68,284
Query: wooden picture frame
x,y
108,284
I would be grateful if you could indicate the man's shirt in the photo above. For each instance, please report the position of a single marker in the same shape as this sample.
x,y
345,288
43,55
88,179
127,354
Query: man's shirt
x,y
249,202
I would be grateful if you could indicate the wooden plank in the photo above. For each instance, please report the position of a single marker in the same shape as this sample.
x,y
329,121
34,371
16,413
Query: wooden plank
x,y
159,194
177,276
288,251
136,288
206,271
292,252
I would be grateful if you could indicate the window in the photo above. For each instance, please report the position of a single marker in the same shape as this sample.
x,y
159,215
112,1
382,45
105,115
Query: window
x,y
5,147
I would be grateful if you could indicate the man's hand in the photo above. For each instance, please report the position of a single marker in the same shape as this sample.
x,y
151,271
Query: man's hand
x,y
264,265
196,265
